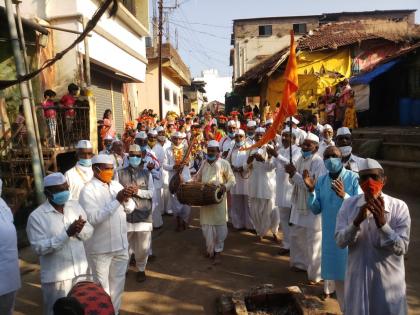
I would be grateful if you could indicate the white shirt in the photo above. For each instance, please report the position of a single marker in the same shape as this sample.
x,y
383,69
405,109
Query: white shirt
x,y
61,257
225,144
354,163
169,164
159,154
323,146
77,177
284,187
258,183
300,214
9,260
106,214
238,158
375,276
146,194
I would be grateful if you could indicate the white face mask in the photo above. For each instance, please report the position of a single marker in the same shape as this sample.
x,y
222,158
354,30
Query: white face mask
x,y
161,138
345,151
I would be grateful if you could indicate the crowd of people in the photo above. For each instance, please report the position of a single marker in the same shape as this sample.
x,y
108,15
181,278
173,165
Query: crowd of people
x,y
337,224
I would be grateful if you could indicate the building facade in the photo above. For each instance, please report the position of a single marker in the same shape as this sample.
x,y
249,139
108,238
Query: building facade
x,y
216,86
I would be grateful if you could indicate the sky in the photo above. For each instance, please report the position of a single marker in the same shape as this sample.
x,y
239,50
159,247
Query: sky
x,y
204,26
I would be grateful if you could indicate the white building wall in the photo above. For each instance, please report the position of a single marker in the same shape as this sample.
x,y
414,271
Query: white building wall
x,y
216,86
173,87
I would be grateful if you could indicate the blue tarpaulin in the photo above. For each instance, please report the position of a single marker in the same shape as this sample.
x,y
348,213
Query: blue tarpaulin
x,y
366,78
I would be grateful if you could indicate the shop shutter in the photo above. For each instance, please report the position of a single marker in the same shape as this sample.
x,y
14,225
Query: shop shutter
x,y
101,87
118,106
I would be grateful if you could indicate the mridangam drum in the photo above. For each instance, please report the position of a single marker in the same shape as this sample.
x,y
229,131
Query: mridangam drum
x,y
199,194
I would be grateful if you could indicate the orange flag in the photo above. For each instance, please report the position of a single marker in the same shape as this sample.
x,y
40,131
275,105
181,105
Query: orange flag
x,y
288,104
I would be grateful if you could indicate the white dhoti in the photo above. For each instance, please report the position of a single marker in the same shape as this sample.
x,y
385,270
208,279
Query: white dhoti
x,y
305,251
284,213
110,269
215,236
140,243
7,303
179,209
157,206
275,220
261,211
52,291
240,213
337,286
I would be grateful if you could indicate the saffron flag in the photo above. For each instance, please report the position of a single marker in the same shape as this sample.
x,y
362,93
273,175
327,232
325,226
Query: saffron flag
x,y
288,104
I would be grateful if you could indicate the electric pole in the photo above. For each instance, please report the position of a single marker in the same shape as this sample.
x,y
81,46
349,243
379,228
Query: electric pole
x,y
160,31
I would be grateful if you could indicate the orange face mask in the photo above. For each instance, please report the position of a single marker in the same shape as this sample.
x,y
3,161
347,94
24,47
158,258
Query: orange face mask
x,y
106,175
372,187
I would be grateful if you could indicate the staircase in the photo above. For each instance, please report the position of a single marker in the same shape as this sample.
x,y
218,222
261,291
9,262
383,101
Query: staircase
x,y
398,151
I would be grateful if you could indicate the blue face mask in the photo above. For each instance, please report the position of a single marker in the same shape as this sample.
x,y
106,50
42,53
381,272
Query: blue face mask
x,y
134,161
306,154
250,134
85,162
61,197
143,147
240,144
231,134
333,165
211,158
108,147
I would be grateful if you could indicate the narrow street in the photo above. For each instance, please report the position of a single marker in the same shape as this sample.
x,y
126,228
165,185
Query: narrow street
x,y
181,281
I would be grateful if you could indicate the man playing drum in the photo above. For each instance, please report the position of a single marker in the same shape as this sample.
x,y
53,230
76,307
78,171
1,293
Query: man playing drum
x,y
213,218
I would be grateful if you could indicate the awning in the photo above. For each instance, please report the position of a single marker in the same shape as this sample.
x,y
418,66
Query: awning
x,y
366,78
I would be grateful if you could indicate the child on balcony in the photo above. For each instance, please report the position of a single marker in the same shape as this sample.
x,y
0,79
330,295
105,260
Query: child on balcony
x,y
68,102
50,115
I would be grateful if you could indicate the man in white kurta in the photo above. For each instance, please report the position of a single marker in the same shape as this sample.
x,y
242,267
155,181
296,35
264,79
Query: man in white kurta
x,y
9,260
239,211
139,222
260,191
226,141
251,126
213,218
56,231
283,186
305,234
344,143
327,139
375,228
159,152
82,172
173,158
106,203
163,144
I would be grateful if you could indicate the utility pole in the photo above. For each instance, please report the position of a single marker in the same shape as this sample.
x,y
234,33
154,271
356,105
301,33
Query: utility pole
x,y
20,69
160,31
29,82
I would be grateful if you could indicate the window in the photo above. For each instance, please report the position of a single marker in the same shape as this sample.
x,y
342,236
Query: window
x,y
130,5
167,94
175,98
265,30
299,28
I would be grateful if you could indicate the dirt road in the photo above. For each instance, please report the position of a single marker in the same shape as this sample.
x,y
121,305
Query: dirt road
x,y
181,281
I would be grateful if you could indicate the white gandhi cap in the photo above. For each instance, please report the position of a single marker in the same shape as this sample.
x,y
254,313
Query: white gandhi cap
x,y
141,135
294,120
231,123
159,129
54,179
369,164
343,131
102,159
328,127
134,148
213,144
152,132
260,130
84,144
251,123
312,137
240,132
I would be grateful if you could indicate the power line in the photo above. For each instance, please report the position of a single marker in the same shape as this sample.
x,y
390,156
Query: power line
x,y
201,32
204,52
204,24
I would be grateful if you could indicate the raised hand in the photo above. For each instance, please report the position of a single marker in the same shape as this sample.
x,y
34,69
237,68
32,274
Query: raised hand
x,y
309,180
338,186
290,169
377,208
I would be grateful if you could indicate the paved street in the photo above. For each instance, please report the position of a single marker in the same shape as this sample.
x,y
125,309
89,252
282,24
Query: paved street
x,y
181,281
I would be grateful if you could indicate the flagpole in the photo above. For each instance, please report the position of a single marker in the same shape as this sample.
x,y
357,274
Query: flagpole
x,y
290,146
